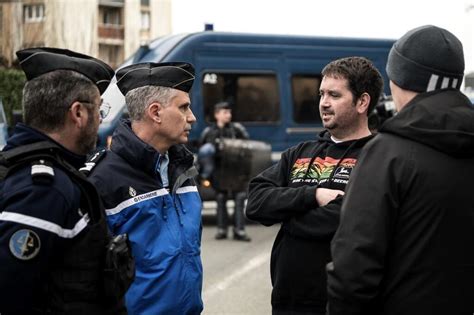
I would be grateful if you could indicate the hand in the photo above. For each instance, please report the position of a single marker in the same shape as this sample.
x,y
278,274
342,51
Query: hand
x,y
325,195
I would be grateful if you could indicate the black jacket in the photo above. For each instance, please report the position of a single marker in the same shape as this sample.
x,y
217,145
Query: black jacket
x,y
51,253
406,239
212,134
231,130
285,193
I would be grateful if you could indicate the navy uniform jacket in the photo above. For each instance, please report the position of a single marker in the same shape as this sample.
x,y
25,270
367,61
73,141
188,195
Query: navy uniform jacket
x,y
50,220
42,227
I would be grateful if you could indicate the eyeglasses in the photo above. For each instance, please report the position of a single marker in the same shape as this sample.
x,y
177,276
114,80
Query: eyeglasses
x,y
104,108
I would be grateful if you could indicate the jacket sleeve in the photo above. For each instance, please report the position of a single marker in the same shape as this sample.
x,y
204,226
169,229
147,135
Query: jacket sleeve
x,y
114,218
318,223
360,245
44,211
241,132
203,138
271,201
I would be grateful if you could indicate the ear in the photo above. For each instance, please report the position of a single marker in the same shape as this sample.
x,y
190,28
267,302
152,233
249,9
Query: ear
x,y
154,111
363,103
78,114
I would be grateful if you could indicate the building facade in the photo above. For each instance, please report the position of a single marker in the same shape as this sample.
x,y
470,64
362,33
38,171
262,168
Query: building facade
x,y
108,29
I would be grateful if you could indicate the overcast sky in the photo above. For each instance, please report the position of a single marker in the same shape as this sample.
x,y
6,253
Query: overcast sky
x,y
348,18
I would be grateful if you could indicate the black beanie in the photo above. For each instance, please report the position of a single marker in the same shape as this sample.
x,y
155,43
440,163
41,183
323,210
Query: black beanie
x,y
426,58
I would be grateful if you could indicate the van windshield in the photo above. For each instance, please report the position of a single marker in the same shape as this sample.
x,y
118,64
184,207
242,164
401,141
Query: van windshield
x,y
155,52
160,47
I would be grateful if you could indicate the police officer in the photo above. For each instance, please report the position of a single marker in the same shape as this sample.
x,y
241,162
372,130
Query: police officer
x,y
146,181
209,160
53,233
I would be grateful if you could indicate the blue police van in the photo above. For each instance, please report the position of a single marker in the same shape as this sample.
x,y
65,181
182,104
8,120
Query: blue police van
x,y
271,80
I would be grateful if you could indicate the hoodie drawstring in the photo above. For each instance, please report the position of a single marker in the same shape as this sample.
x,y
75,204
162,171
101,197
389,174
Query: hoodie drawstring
x,y
319,150
339,162
315,155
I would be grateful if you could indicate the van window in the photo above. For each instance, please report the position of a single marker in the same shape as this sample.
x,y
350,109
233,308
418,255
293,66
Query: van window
x,y
254,97
305,89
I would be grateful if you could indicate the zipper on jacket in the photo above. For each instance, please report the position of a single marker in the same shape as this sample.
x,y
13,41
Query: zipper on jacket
x,y
181,204
177,210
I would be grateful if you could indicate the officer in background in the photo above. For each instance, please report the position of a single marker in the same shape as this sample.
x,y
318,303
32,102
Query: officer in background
x,y
209,160
53,233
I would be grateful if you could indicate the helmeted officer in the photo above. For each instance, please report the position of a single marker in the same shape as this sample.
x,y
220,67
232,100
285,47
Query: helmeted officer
x,y
53,233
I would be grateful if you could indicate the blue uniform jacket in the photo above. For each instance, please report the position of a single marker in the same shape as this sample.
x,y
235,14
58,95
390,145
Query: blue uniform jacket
x,y
38,220
164,226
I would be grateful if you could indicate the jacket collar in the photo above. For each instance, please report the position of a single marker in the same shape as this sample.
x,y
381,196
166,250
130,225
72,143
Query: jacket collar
x,y
23,135
141,155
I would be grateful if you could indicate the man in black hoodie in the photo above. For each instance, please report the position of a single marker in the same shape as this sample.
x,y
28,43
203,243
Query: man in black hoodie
x,y
304,190
406,238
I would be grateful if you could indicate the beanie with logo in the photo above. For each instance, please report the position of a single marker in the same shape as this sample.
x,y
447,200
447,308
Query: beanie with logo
x,y
425,59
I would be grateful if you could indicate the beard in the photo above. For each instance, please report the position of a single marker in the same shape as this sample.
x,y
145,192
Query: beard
x,y
87,141
332,122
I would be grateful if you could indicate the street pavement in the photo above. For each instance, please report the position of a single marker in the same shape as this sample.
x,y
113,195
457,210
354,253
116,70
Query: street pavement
x,y
237,274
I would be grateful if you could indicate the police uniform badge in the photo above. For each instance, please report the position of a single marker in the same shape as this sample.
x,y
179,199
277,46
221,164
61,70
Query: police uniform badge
x,y
25,244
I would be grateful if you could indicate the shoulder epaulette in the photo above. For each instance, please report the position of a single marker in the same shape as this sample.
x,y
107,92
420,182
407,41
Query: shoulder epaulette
x,y
93,161
42,171
35,153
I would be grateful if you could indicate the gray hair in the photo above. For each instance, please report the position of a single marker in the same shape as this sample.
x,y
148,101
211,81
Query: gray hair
x,y
47,98
138,99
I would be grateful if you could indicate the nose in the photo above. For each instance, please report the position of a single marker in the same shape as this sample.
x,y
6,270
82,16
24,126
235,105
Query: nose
x,y
323,102
191,118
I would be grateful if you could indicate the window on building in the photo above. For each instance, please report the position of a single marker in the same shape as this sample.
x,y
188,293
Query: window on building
x,y
112,2
254,97
305,90
112,16
111,54
145,20
33,13
145,2
1,21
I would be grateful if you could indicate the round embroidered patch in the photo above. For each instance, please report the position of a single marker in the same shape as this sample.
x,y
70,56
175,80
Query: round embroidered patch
x,y
25,244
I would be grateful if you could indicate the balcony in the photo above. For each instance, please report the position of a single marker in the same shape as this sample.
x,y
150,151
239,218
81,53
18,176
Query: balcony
x,y
111,31
112,3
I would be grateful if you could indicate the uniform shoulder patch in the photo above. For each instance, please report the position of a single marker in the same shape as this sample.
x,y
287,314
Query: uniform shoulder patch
x,y
42,171
93,160
25,244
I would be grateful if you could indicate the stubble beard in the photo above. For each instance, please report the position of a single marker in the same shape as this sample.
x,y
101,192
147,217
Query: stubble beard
x,y
88,139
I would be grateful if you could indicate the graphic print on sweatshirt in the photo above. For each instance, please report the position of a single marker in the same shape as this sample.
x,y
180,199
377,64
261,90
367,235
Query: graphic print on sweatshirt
x,y
321,170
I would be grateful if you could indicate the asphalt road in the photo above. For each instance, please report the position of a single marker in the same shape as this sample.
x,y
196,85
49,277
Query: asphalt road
x,y
237,274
